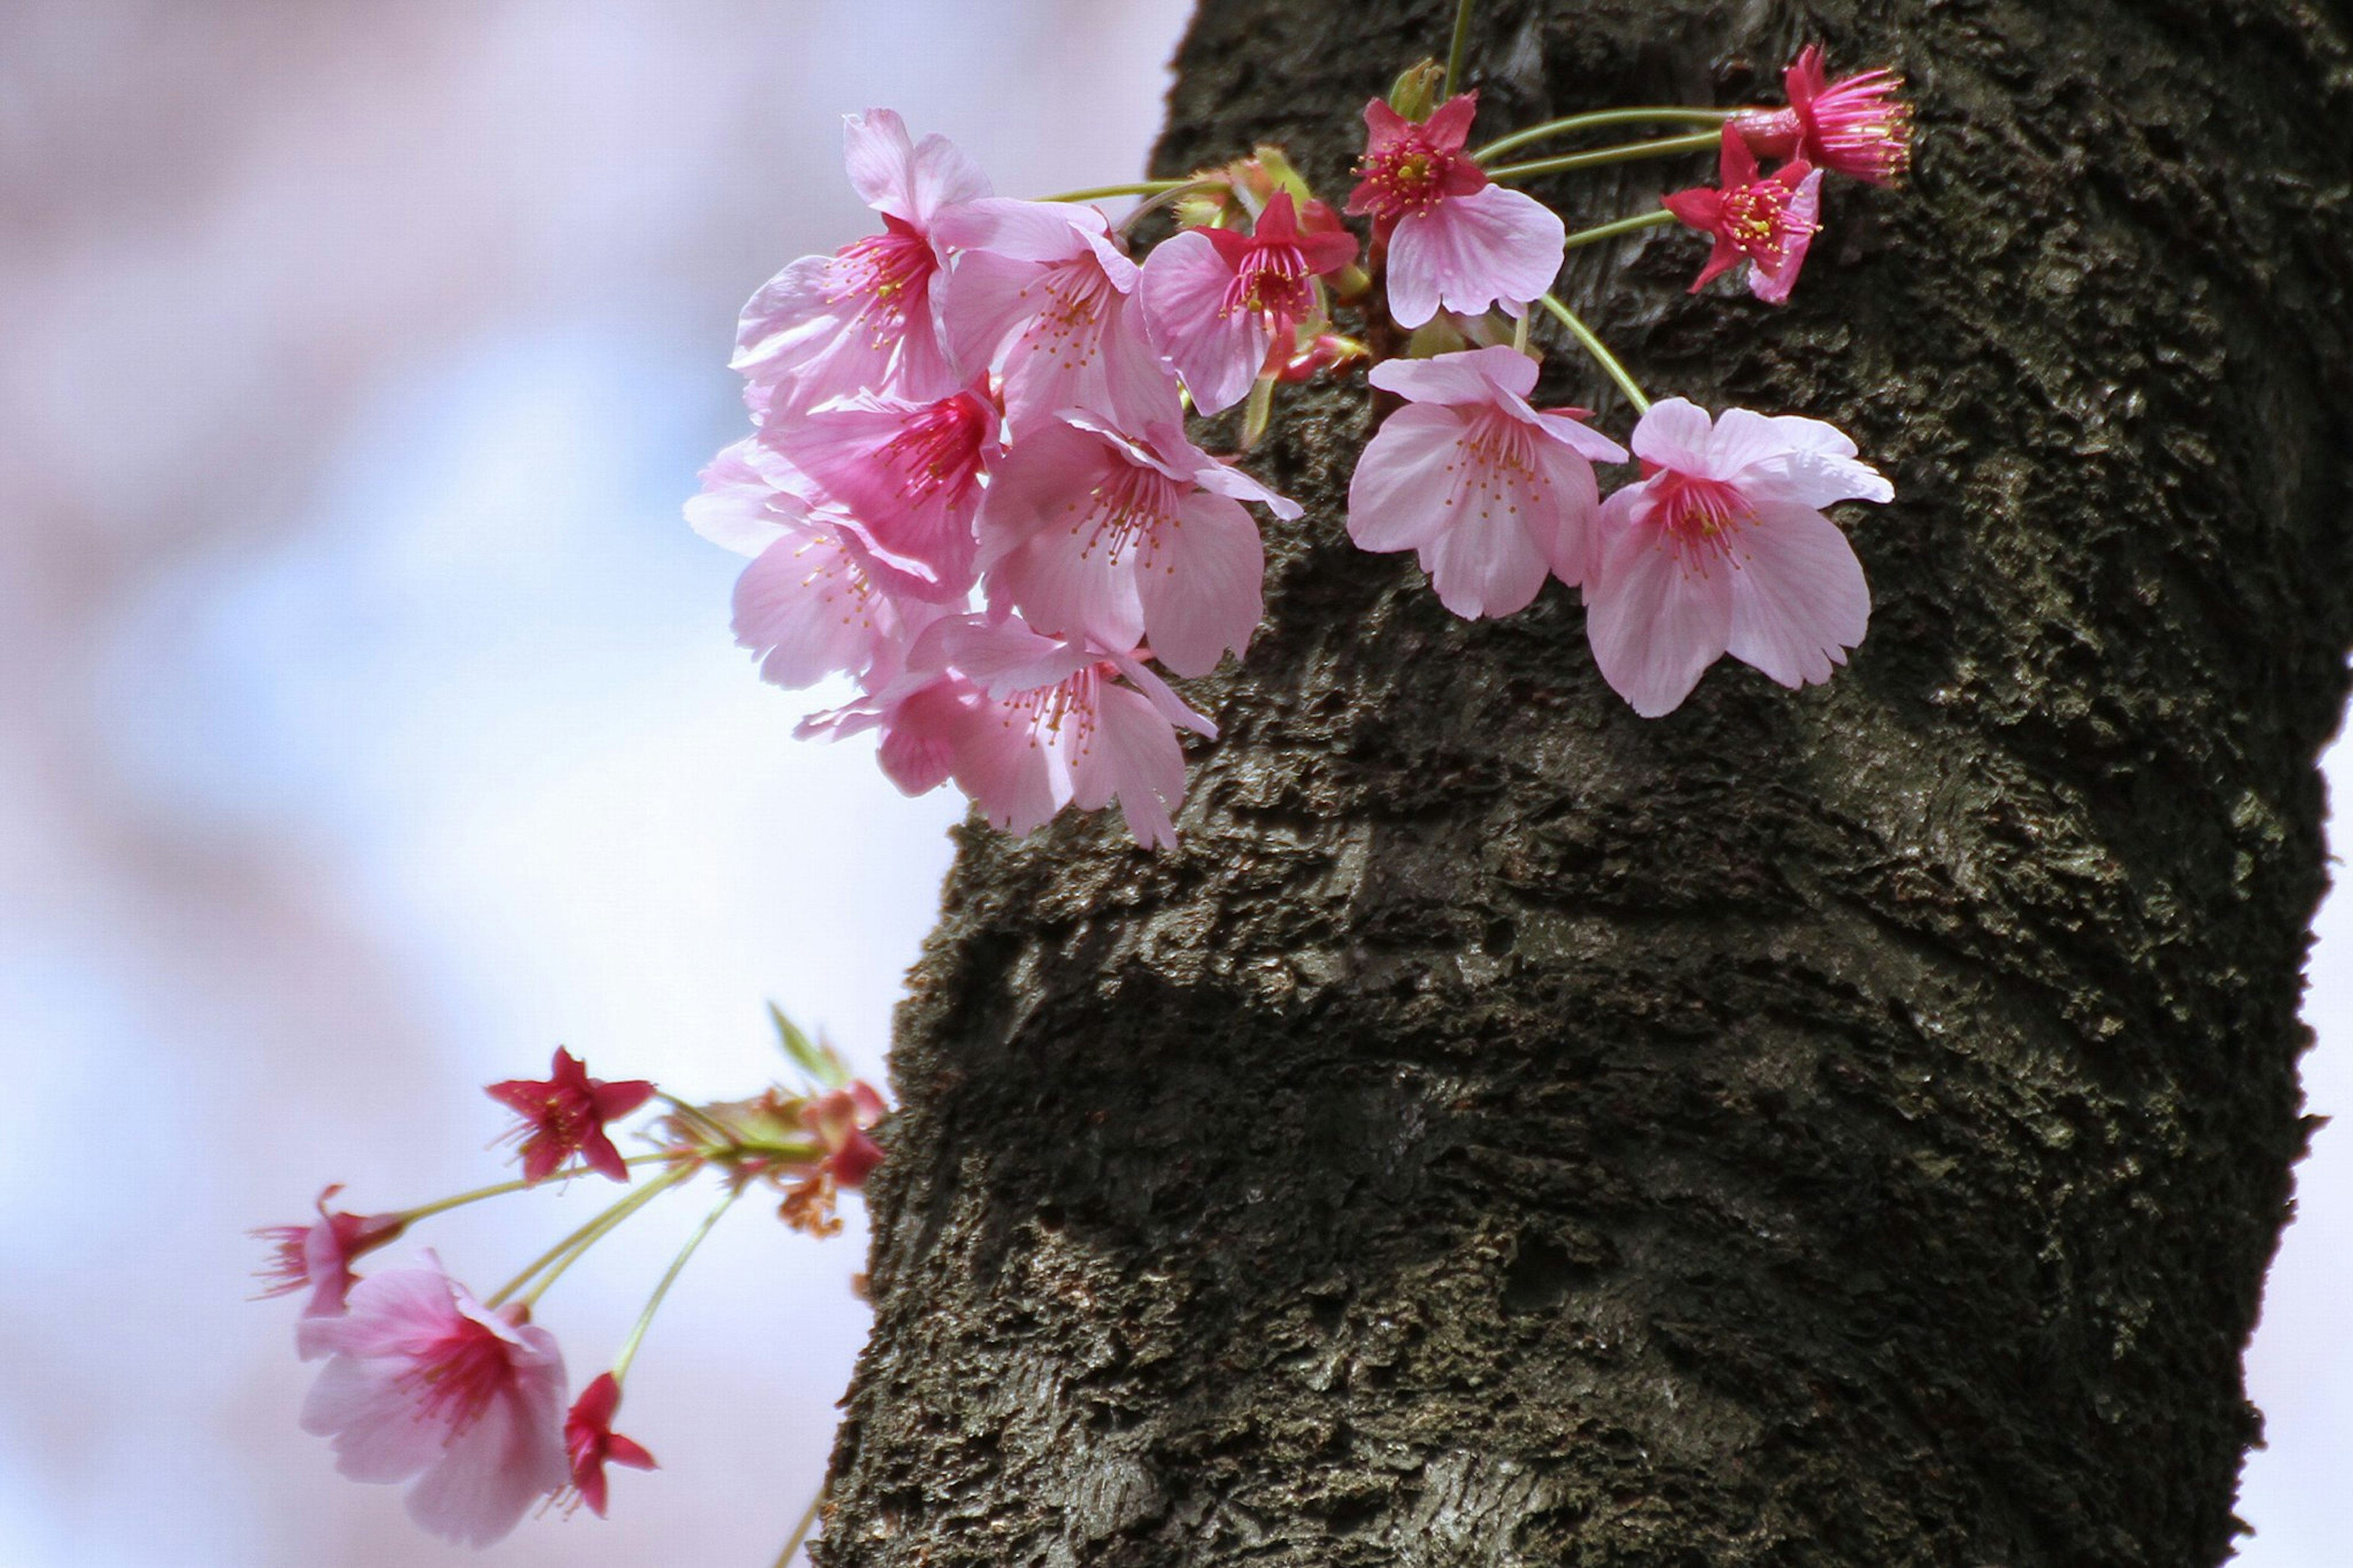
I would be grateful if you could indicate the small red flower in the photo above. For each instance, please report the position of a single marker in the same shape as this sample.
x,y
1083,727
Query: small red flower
x,y
1767,223
1856,127
591,1443
318,1258
566,1115
839,1120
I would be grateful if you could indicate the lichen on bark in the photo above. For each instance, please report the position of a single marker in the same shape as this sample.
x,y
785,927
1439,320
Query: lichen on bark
x,y
1844,1128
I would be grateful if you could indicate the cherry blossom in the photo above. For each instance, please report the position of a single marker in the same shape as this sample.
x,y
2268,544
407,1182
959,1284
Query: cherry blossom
x,y
423,1383
920,717
1767,223
318,1258
1123,537
1041,290
1723,549
590,1443
839,1118
1454,238
863,318
908,473
1219,303
1856,126
564,1115
1491,493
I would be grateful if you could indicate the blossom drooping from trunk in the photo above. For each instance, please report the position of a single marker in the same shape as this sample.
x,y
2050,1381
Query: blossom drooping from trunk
x,y
1127,538
1767,223
1220,303
318,1258
1040,289
908,473
425,1383
590,1443
1856,127
863,318
1491,493
1454,238
1723,549
564,1115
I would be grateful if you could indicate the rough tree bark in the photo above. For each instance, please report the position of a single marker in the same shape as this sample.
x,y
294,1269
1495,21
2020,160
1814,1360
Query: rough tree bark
x,y
1846,1128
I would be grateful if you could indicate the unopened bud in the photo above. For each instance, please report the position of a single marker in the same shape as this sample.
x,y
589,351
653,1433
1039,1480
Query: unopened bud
x,y
1415,95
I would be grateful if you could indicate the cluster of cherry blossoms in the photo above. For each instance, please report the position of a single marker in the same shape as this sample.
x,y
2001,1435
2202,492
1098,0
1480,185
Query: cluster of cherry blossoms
x,y
969,487
464,1398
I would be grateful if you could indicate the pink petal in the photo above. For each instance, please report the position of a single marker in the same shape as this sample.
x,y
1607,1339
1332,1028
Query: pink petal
x,y
1008,773
738,510
1471,252
1774,287
1165,703
1017,230
1132,756
1674,434
1484,563
910,182
1470,375
1563,516
1201,589
496,1470
1655,627
804,608
1798,600
1005,657
1068,587
1403,492
1217,352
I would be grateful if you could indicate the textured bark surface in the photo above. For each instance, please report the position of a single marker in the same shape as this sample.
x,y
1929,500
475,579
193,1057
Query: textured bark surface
x,y
1844,1128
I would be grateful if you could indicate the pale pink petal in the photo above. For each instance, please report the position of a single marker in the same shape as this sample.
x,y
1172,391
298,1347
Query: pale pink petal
x,y
1562,508
1402,494
1674,433
1165,703
1805,207
370,1415
1471,375
1217,352
808,610
1005,657
1484,563
1043,479
1572,432
877,149
1798,599
794,320
986,301
1066,585
1132,756
1470,252
1007,771
1017,230
909,472
920,737
1202,586
739,510
1654,626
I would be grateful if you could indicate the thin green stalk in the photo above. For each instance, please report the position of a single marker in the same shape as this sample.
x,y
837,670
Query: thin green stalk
x,y
1600,232
801,1530
677,1265
594,1230
1457,49
1600,350
443,1206
1626,152
1099,193
1596,122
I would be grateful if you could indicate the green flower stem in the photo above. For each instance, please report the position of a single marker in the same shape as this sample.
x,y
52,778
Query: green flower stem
x,y
801,1530
561,1254
1612,230
1608,117
1099,193
645,1319
443,1206
1456,49
1600,350
1625,153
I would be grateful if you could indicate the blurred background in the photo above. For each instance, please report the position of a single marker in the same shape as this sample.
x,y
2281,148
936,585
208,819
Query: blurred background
x,y
371,725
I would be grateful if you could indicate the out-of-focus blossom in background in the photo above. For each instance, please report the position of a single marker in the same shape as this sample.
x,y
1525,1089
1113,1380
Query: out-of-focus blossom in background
x,y
372,726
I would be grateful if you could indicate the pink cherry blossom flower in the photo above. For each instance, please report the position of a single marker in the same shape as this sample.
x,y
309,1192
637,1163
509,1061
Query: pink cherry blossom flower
x,y
922,718
1090,531
1492,494
1040,289
816,599
590,1443
424,1383
839,1118
863,318
318,1258
1723,549
1856,127
564,1115
1454,239
1219,303
1767,223
1058,728
908,473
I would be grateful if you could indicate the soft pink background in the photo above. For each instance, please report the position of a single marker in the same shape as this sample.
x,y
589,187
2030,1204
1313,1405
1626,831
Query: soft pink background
x,y
370,722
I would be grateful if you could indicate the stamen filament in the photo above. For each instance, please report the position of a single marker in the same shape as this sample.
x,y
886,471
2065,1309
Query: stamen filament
x,y
1657,115
645,1319
1625,153
1600,350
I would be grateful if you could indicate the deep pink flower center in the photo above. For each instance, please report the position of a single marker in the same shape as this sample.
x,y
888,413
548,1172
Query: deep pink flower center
x,y
1698,514
1071,326
883,273
1126,511
1858,127
1409,176
1073,699
461,1371
1271,277
1756,221
938,449
1495,466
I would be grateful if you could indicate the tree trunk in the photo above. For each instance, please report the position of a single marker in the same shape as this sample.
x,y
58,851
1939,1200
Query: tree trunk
x,y
1842,1128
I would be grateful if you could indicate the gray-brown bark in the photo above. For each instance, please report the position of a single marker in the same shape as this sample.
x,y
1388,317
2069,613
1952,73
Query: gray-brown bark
x,y
1845,1128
